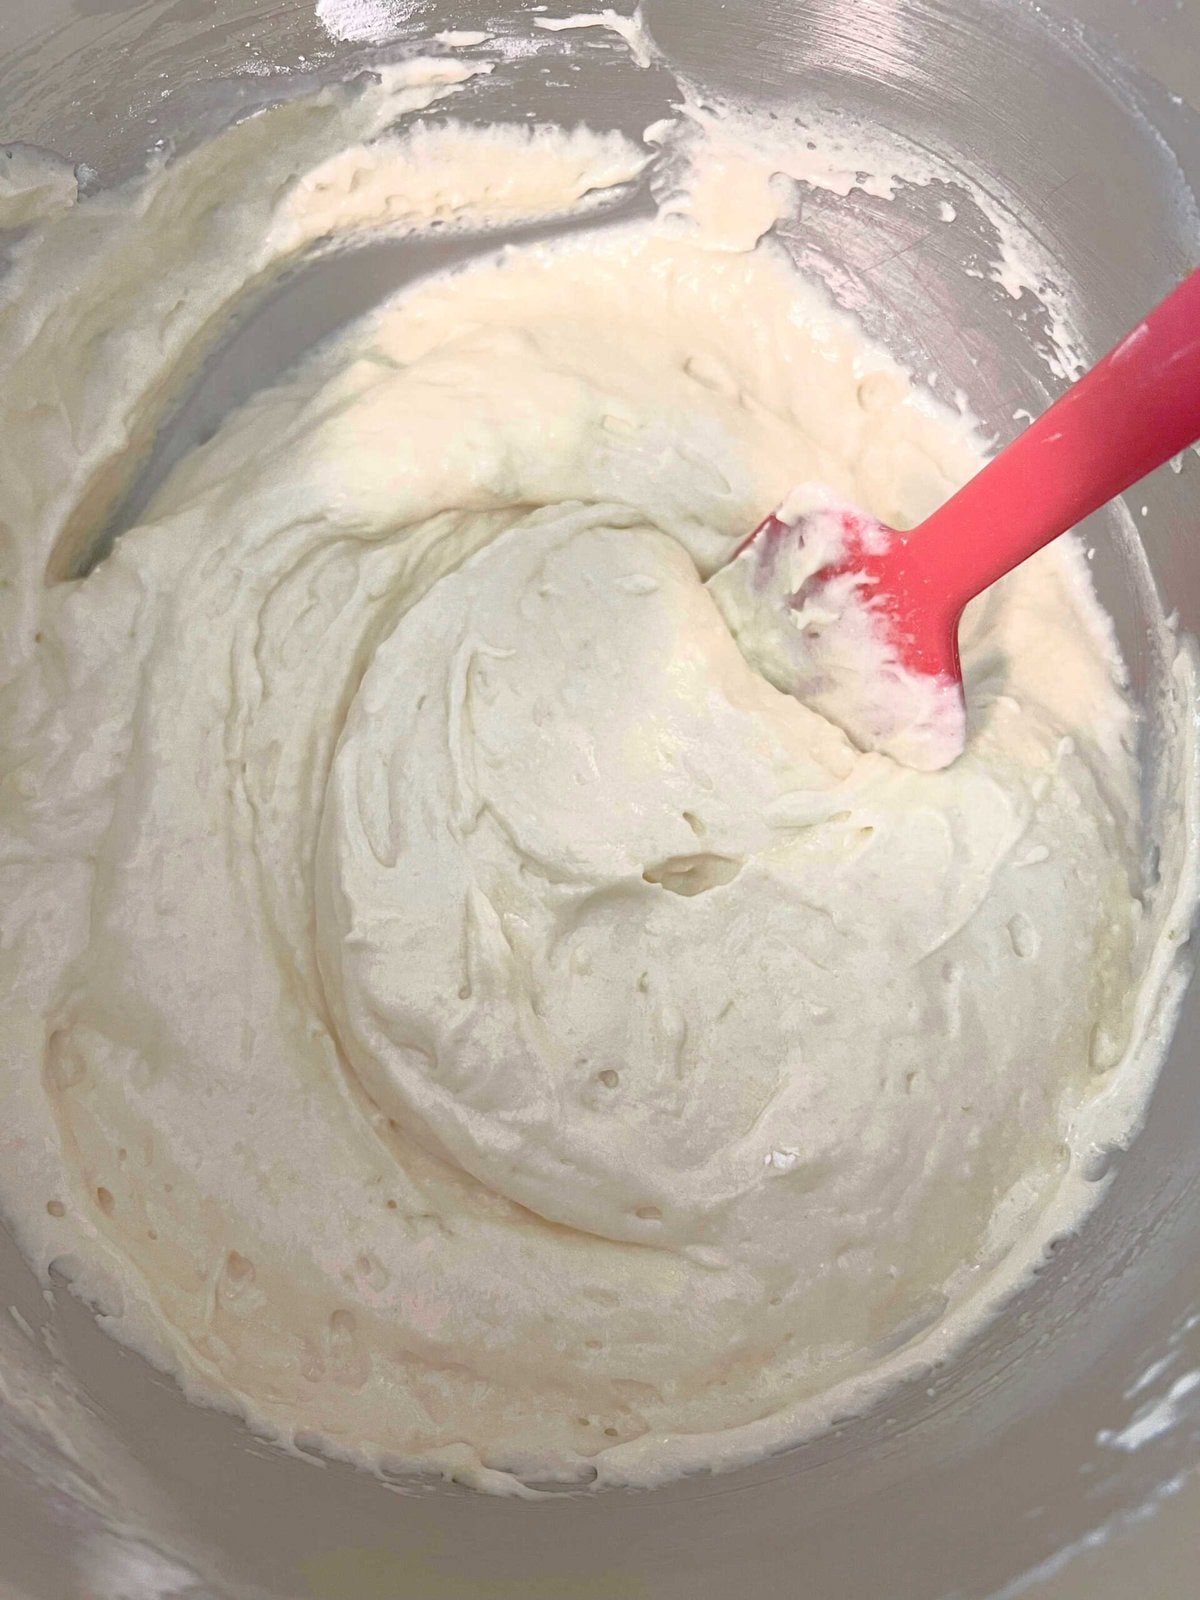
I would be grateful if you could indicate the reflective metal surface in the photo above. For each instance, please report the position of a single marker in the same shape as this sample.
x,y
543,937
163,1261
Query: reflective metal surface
x,y
1074,118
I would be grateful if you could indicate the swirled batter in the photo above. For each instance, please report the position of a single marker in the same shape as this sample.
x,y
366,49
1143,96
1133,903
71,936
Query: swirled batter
x,y
451,1004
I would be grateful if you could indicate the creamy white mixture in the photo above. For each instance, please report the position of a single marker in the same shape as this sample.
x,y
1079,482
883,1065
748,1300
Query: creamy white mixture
x,y
449,1002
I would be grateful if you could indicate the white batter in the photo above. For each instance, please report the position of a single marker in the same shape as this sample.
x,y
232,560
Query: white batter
x,y
450,1003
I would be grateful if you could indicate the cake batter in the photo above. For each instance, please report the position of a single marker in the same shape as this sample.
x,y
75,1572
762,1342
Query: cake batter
x,y
452,1005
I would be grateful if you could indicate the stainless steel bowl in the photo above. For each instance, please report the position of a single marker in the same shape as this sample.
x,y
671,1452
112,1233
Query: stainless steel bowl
x,y
1035,1459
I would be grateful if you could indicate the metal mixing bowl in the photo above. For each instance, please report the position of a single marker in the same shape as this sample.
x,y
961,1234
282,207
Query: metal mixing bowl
x,y
1036,1454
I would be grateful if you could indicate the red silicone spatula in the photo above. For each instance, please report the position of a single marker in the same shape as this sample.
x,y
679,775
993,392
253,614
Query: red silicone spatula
x,y
860,621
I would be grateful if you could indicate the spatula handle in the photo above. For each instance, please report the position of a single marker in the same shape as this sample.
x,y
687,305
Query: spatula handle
x,y
1138,407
